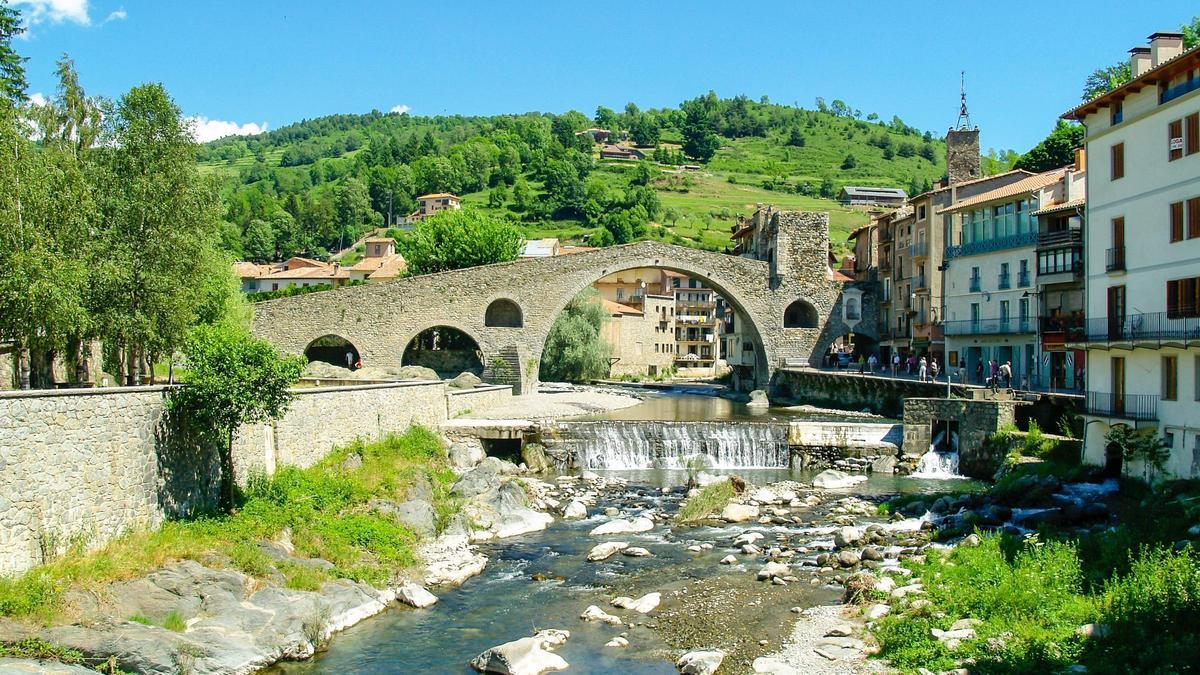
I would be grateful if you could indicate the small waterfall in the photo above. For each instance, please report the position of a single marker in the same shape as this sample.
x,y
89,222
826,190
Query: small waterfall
x,y
674,445
942,459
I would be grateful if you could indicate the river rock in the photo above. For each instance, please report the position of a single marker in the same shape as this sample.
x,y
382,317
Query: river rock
x,y
847,536
477,481
758,399
413,373
594,613
465,380
885,464
871,553
415,596
466,455
704,479
622,526
642,605
876,612
590,476
575,510
729,559
36,667
417,514
534,456
636,552
700,662
832,479
606,550
772,570
747,538
848,558
526,656
960,634
617,642
739,513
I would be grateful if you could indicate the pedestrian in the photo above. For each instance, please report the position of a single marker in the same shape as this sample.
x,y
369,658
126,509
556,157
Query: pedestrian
x,y
895,363
933,370
924,370
908,365
979,372
873,363
1006,374
350,360
862,365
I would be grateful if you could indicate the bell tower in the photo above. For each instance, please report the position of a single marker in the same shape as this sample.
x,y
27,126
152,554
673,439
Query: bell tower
x,y
962,143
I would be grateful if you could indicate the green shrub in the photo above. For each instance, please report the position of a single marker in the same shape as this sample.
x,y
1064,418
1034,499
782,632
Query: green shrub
x,y
706,502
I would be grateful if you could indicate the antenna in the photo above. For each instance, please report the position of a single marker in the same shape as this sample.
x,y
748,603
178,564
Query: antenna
x,y
964,117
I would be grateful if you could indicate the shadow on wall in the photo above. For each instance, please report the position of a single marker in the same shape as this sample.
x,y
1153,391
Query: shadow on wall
x,y
189,466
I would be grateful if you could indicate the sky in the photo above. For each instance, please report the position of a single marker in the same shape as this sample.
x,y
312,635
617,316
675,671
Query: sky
x,y
249,65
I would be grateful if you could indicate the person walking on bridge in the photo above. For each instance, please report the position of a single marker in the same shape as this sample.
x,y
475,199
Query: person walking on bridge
x,y
895,363
933,370
923,375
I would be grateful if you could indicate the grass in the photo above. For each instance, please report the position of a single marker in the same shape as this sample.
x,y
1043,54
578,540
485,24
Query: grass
x,y
325,507
709,500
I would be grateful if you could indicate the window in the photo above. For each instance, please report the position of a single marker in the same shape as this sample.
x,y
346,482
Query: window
x,y
1023,310
921,212
1183,298
974,312
1116,114
1004,276
975,280
1196,377
1004,312
1169,439
1193,218
1118,161
1170,378
1023,277
1175,140
1176,222
1191,125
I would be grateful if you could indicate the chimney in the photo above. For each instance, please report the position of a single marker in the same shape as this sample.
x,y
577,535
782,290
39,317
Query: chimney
x,y
1139,61
1164,47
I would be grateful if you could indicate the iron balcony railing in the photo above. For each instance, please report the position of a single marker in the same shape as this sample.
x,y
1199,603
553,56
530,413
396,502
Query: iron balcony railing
x,y
987,327
1154,327
1071,328
1124,406
1060,237
920,282
1172,93
976,284
1004,281
1114,259
1023,279
992,245
918,250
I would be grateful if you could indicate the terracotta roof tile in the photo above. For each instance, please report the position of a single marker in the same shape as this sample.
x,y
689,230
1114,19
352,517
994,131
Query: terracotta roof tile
x,y
1023,186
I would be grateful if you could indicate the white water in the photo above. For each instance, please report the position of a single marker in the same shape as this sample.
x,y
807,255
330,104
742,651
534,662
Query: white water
x,y
939,464
676,445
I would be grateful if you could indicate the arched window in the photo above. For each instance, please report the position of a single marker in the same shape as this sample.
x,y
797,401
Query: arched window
x,y
334,350
503,314
800,314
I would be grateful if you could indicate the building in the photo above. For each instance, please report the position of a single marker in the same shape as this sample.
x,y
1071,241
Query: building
x,y
1060,292
630,287
597,135
550,246
1142,260
871,196
991,293
294,272
642,338
427,205
620,152
380,263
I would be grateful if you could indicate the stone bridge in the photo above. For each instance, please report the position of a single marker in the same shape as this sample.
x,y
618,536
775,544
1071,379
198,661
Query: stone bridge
x,y
381,320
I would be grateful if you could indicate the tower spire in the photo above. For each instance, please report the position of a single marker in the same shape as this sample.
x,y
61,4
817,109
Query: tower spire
x,y
964,117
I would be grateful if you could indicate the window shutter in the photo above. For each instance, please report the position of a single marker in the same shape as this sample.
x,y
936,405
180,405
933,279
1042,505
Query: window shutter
x,y
1174,131
1176,221
1172,299
1192,124
1193,217
1118,161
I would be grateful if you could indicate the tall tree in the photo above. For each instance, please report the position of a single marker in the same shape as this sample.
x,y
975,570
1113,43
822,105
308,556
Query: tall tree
x,y
1054,151
574,349
699,139
159,234
12,64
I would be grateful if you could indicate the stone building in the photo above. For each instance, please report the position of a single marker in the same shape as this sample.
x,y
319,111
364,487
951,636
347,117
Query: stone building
x,y
642,338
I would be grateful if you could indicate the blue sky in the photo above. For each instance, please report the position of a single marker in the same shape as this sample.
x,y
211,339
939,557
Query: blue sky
x,y
254,63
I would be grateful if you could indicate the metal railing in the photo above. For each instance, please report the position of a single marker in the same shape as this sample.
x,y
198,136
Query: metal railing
x,y
1124,406
1004,281
1114,259
1023,279
1072,328
976,284
920,282
918,250
1154,327
992,245
1172,93
1060,237
986,327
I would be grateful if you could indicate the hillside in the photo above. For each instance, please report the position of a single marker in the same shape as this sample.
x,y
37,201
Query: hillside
x,y
317,185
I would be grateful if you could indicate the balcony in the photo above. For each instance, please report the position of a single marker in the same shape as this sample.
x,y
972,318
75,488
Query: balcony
x,y
885,235
1114,259
1172,93
1060,238
919,282
1059,329
992,245
976,284
1074,267
1143,407
987,327
1023,279
1157,329
1004,281
920,250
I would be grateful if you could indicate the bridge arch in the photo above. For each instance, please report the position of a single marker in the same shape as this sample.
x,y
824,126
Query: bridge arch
x,y
334,350
503,313
446,348
800,314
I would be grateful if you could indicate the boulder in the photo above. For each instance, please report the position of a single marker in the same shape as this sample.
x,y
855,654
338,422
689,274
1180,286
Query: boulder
x,y
575,510
636,552
415,596
34,666
606,550
465,380
413,373
758,399
466,455
642,605
739,513
876,612
353,461
747,538
772,570
848,558
418,515
477,481
534,456
847,536
700,662
729,559
526,656
594,613
885,464
832,479
617,642
704,479
622,526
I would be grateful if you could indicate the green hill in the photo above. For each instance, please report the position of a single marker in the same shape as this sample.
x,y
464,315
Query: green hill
x,y
317,185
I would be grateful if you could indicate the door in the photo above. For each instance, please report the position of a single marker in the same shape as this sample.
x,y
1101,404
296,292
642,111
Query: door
x,y
1116,312
1118,385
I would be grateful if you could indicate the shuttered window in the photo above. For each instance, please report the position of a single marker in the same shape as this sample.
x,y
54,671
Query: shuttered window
x,y
1183,298
1193,218
1118,161
1191,125
1170,378
1175,140
1176,221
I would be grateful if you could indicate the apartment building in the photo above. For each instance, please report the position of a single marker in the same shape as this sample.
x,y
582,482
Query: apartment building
x,y
697,328
1142,263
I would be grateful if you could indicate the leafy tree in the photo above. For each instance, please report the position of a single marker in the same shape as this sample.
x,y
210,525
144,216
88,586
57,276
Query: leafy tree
x,y
497,196
233,379
906,149
849,162
523,199
258,242
12,64
574,349
450,240
928,153
828,189
1106,79
564,187
1054,151
565,125
645,131
699,140
643,173
796,138
606,118
672,215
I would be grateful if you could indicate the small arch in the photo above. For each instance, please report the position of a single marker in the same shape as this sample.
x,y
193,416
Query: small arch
x,y
503,313
800,314
334,350
446,350
1114,459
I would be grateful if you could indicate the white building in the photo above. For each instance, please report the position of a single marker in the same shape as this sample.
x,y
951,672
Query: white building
x,y
1142,265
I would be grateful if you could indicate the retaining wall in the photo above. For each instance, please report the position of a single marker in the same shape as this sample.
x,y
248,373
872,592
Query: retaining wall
x,y
462,401
881,395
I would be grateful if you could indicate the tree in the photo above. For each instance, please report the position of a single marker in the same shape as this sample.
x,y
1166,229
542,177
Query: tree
x,y
161,265
450,240
233,379
645,131
643,173
796,138
699,140
928,153
497,196
574,349
523,198
12,64
606,118
1103,80
1054,151
849,162
828,189
672,215
258,241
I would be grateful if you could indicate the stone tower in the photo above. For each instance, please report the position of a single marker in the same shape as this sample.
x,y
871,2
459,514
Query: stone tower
x,y
962,144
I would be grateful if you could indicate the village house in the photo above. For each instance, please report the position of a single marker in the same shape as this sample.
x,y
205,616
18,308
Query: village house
x,y
295,272
620,152
427,205
380,263
871,196
1142,262
642,338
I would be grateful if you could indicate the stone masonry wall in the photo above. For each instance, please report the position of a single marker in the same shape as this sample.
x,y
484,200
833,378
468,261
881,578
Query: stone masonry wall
x,y
851,391
462,401
977,419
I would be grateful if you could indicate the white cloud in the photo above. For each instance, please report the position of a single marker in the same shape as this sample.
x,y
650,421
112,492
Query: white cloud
x,y
400,109
205,130
55,11
116,15
39,99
